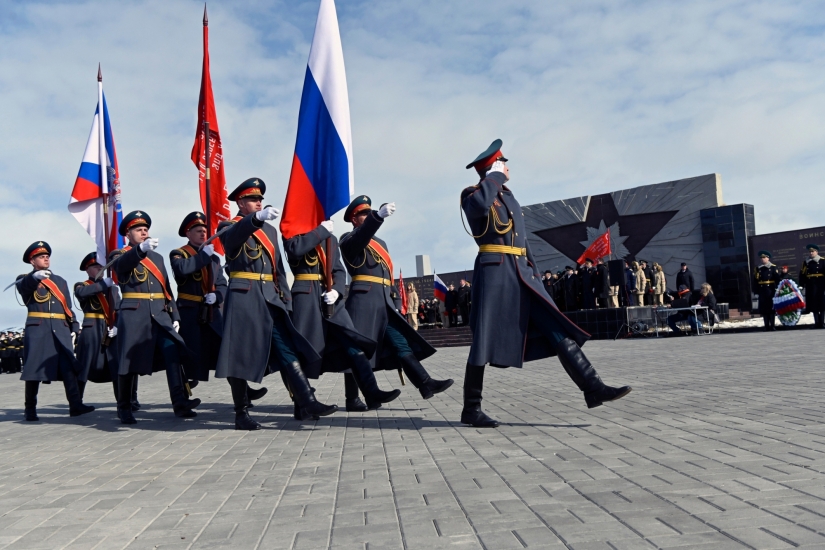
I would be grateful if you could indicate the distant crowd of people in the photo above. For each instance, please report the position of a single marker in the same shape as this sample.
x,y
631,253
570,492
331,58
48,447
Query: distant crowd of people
x,y
454,311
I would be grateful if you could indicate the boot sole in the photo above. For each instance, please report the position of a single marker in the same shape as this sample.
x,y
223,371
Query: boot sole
x,y
495,425
594,405
255,429
79,413
431,393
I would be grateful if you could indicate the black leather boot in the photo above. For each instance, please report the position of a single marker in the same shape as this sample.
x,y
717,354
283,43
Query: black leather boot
x,y
472,413
297,412
125,383
354,403
239,389
81,387
31,400
303,394
76,406
585,376
254,395
421,379
134,402
177,393
364,377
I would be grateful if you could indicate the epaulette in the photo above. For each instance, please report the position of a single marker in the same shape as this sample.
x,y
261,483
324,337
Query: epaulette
x,y
179,252
225,223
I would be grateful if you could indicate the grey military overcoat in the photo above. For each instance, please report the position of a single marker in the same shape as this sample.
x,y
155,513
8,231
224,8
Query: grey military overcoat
x,y
90,354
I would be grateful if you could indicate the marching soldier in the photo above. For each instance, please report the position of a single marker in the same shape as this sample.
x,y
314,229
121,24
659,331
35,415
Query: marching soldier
x,y
335,337
147,321
765,279
51,330
201,291
96,351
812,278
514,319
258,335
6,351
373,302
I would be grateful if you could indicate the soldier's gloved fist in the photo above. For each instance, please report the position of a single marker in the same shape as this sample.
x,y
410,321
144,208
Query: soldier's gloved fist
x,y
330,297
74,337
108,281
42,274
149,244
268,214
209,249
112,332
176,326
328,225
210,298
386,210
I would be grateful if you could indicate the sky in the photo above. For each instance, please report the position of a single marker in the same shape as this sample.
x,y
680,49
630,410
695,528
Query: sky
x,y
589,97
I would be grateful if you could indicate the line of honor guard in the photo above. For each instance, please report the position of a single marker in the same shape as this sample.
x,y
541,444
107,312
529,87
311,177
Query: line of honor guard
x,y
244,322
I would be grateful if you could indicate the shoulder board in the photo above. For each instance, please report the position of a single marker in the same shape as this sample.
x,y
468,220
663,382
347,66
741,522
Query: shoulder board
x,y
179,252
225,224
468,190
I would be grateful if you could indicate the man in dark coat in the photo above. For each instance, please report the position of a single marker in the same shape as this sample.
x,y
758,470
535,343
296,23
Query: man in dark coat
x,y
464,301
648,271
451,305
685,277
333,336
765,280
258,335
147,320
570,289
602,284
587,279
514,319
373,302
51,330
95,347
201,291
812,279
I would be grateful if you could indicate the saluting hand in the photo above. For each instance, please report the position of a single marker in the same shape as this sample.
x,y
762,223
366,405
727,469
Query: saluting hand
x,y
386,210
268,214
42,274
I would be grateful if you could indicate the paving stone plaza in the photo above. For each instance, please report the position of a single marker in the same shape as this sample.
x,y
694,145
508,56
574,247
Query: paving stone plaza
x,y
720,445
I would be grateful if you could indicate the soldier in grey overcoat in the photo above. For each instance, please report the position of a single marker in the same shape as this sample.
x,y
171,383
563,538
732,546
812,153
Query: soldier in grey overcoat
x,y
147,320
95,350
373,302
334,337
513,318
51,330
258,335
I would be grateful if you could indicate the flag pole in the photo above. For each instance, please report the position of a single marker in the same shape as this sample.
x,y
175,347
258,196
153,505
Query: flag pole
x,y
330,308
207,152
104,185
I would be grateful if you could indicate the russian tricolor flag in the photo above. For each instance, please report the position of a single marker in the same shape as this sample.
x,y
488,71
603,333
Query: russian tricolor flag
x,y
439,289
322,178
86,203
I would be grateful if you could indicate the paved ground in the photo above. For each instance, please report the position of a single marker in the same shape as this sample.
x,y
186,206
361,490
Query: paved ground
x,y
721,445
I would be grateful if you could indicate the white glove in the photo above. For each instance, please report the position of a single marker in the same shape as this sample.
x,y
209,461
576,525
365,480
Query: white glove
x,y
74,337
108,281
112,332
149,244
498,166
210,298
42,274
176,326
328,225
209,249
387,210
268,214
330,297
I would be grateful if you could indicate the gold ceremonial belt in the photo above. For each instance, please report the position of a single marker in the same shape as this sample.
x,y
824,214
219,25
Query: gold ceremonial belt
x,y
47,315
143,295
502,249
766,282
371,279
190,297
816,275
309,277
252,276
93,316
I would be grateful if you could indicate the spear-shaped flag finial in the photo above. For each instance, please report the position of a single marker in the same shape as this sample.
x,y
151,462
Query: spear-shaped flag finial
x,y
205,17
99,73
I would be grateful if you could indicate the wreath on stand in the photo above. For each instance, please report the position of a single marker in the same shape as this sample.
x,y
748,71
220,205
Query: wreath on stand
x,y
788,302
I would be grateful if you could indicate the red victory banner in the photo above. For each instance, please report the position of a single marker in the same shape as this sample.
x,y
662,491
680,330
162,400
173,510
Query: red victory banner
x,y
207,152
597,249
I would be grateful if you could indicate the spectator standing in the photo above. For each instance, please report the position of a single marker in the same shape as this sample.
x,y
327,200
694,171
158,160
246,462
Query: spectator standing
x,y
659,286
648,290
587,276
630,285
569,288
640,283
602,284
685,277
464,301
412,306
452,305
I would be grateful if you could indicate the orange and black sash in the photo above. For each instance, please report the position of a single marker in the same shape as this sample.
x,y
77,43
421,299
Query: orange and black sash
x,y
265,242
55,290
108,312
205,270
385,256
322,260
154,270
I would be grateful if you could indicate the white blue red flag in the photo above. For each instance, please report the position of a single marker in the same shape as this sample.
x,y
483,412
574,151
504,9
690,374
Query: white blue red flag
x,y
86,204
439,289
322,178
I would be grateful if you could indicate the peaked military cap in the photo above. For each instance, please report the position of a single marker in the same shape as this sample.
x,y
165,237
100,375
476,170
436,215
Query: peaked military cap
x,y
36,249
812,247
361,202
253,187
90,259
488,157
764,254
134,219
193,219
591,260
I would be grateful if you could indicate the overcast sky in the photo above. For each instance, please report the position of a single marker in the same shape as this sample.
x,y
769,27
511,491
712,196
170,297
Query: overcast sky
x,y
588,96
